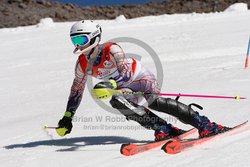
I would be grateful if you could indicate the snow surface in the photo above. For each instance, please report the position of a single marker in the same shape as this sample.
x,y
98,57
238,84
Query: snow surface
x,y
200,53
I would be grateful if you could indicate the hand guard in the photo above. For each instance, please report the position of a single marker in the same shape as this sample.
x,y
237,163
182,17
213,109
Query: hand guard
x,y
105,89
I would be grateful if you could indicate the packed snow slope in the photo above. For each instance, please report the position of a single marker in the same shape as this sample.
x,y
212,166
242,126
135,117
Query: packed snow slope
x,y
200,53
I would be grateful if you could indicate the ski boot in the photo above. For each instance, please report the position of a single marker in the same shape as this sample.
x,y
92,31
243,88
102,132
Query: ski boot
x,y
211,129
166,132
207,128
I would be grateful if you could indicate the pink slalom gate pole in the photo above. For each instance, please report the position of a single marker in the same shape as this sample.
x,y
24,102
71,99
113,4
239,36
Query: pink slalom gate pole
x,y
201,96
248,48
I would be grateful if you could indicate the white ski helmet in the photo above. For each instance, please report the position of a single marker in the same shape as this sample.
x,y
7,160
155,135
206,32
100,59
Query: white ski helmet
x,y
85,32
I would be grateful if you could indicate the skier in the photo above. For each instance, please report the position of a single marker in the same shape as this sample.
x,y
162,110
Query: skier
x,y
108,62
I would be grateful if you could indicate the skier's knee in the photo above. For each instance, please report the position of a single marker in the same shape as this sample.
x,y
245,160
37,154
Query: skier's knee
x,y
119,102
115,103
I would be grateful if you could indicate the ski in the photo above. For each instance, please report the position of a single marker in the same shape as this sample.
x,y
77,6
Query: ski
x,y
176,146
132,149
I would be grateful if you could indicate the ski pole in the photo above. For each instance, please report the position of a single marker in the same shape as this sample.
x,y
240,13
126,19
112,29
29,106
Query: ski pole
x,y
186,95
48,127
202,96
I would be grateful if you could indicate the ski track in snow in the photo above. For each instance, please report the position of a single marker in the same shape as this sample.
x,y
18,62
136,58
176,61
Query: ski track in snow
x,y
200,53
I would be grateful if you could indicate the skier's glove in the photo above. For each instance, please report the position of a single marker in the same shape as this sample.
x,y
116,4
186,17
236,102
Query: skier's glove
x,y
64,125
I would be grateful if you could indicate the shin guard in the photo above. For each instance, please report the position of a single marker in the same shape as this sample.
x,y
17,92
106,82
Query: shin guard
x,y
177,109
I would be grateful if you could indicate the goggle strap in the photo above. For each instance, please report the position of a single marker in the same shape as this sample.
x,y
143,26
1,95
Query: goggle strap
x,y
80,33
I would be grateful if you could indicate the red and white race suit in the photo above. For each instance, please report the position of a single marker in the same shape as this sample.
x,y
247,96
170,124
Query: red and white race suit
x,y
111,62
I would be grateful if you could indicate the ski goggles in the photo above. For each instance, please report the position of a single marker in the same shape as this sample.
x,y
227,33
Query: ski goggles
x,y
80,40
